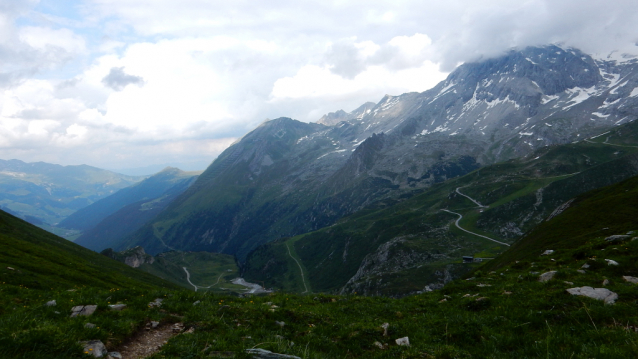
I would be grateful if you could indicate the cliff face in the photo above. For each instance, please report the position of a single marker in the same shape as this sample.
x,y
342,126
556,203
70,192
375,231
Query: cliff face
x,y
133,257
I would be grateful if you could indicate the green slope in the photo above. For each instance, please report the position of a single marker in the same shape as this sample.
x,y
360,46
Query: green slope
x,y
404,246
594,215
42,260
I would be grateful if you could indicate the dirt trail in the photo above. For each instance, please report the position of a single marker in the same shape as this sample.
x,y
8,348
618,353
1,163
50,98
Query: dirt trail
x,y
465,230
147,342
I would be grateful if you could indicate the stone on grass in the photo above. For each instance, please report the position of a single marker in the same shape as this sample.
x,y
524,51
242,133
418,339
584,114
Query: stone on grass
x,y
154,324
196,302
629,279
267,354
94,347
617,238
51,303
405,341
156,303
114,355
281,324
84,310
603,294
547,252
385,327
581,271
611,262
547,276
89,325
117,307
380,346
585,266
605,282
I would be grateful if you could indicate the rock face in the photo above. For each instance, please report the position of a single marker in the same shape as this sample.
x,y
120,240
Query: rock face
x,y
603,294
133,257
286,177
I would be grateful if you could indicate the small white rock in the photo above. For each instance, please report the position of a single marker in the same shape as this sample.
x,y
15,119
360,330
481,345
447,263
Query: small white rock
x,y
405,341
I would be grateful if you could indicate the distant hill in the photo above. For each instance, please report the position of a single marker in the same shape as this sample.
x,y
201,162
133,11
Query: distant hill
x,y
41,260
45,193
170,179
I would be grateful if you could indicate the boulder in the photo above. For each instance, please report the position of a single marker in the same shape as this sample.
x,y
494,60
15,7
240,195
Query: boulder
x,y
603,294
267,354
94,347
84,310
617,238
629,279
546,276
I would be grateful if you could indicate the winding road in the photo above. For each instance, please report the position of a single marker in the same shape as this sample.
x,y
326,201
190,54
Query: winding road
x,y
470,198
303,279
188,278
465,230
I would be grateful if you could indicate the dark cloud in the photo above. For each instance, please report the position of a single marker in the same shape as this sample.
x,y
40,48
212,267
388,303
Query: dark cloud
x,y
117,79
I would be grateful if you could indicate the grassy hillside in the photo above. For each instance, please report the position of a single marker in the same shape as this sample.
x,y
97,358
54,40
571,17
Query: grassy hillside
x,y
42,260
596,214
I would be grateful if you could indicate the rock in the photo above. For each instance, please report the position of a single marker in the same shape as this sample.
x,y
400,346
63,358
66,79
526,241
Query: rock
x,y
156,303
547,276
178,327
605,282
117,307
51,303
385,327
581,271
570,283
629,279
405,341
281,324
94,347
9,268
428,289
191,330
547,252
380,346
196,302
585,266
480,299
611,262
483,285
154,324
84,310
617,238
472,278
443,300
267,354
603,294
89,325
114,355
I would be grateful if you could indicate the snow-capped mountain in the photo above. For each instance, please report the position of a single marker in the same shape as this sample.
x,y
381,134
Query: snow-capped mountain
x,y
287,177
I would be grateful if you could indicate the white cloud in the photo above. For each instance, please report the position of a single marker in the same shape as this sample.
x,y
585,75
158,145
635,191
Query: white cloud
x,y
191,76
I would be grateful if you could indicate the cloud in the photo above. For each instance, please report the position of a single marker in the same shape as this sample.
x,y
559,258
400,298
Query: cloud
x,y
205,74
118,80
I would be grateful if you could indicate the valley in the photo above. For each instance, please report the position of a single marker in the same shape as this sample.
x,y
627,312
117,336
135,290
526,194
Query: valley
x,y
493,215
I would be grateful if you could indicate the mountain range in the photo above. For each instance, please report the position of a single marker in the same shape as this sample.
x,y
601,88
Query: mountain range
x,y
287,178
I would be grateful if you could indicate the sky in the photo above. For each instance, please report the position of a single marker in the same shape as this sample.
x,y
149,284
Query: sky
x,y
136,85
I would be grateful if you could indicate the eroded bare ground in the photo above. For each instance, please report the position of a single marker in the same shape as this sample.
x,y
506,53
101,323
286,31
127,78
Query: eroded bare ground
x,y
149,341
